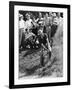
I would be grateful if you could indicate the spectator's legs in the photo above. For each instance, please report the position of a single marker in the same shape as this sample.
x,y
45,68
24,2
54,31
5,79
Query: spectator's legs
x,y
20,37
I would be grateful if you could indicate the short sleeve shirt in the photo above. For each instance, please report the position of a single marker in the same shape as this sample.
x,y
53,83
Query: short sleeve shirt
x,y
28,24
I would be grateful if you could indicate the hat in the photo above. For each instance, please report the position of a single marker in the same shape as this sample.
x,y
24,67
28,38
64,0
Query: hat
x,y
20,15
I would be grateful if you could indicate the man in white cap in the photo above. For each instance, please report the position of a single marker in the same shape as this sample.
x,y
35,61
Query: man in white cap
x,y
21,28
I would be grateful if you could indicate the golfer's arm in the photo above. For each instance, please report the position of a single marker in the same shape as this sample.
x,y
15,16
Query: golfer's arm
x,y
43,46
48,44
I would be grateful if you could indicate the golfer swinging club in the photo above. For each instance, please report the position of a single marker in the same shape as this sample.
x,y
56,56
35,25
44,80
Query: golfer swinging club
x,y
44,42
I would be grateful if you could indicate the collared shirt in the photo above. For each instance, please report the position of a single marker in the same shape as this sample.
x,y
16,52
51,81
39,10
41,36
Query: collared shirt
x,y
28,24
22,25
60,20
55,21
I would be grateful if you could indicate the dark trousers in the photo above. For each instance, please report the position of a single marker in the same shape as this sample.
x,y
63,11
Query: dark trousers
x,y
53,30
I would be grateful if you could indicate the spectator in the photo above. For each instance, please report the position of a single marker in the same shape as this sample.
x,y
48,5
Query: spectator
x,y
28,23
40,19
60,19
21,28
47,25
54,25
40,22
50,18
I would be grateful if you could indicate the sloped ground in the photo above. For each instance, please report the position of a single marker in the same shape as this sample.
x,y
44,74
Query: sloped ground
x,y
29,61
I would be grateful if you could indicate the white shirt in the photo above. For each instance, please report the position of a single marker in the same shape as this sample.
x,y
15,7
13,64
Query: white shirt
x,y
22,25
55,21
28,24
60,20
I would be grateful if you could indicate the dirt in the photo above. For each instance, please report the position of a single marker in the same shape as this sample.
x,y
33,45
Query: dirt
x,y
29,61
